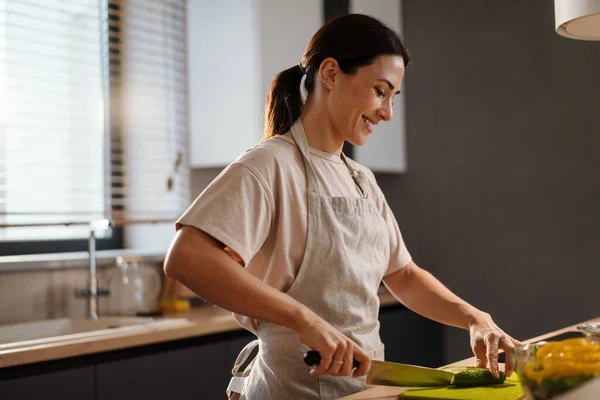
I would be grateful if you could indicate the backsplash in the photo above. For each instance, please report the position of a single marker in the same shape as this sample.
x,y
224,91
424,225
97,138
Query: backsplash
x,y
41,294
48,291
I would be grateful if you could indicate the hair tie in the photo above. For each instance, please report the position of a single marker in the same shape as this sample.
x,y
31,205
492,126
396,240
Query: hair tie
x,y
303,92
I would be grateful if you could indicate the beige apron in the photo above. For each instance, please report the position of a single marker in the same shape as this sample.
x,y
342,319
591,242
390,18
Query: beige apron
x,y
347,253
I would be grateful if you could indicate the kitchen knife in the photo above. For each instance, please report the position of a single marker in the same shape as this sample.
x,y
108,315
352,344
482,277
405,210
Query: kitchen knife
x,y
394,374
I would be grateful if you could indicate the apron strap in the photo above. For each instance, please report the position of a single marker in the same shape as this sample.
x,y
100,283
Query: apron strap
x,y
236,384
358,177
313,184
300,138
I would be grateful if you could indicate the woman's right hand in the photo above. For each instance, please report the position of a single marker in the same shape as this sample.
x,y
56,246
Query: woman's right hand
x,y
336,349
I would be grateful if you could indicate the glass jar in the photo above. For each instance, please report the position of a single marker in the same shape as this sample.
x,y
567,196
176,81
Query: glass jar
x,y
134,287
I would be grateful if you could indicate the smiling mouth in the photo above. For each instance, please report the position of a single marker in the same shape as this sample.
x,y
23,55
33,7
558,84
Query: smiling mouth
x,y
369,124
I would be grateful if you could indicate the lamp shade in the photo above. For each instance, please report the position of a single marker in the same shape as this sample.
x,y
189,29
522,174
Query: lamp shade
x,y
577,19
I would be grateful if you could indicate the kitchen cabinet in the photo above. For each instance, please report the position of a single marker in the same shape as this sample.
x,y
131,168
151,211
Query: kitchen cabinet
x,y
184,369
235,49
223,67
227,88
385,149
187,369
35,383
187,373
192,368
410,338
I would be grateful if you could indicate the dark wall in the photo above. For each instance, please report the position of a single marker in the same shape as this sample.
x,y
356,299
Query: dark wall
x,y
501,199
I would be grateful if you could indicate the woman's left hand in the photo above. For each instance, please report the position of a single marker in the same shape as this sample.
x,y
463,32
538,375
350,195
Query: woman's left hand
x,y
486,339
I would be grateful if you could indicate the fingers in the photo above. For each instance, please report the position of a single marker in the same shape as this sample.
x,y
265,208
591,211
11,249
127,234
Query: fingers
x,y
337,351
509,363
491,341
515,342
339,360
364,362
486,339
479,351
323,366
348,361
327,353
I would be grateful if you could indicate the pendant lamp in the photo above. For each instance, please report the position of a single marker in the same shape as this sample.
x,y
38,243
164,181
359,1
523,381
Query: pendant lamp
x,y
577,19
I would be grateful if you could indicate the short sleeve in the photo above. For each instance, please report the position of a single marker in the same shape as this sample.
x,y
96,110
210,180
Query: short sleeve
x,y
399,255
236,209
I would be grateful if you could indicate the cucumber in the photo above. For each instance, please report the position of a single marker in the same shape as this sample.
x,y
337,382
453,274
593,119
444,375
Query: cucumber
x,y
476,377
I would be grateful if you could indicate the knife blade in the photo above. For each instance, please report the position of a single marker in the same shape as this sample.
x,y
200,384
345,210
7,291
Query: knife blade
x,y
395,374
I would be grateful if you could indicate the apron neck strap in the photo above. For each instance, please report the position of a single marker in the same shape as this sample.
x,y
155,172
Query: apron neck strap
x,y
313,184
357,176
300,137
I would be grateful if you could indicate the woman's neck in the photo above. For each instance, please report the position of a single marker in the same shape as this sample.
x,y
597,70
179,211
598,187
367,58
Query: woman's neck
x,y
320,133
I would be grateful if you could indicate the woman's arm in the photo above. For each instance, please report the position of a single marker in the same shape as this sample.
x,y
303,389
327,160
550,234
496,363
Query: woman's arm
x,y
420,291
199,262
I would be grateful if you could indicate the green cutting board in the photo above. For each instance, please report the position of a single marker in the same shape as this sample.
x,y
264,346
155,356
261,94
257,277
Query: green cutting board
x,y
510,390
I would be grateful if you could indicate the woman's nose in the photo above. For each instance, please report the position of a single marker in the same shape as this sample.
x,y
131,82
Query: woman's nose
x,y
386,112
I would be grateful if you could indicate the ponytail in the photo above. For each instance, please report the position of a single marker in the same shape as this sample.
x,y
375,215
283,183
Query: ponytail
x,y
283,105
354,40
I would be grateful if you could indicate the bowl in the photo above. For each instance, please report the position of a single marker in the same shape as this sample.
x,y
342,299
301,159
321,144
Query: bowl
x,y
547,369
591,330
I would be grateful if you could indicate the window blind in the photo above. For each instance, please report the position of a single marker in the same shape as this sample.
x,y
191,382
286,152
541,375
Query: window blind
x,y
93,114
150,173
51,116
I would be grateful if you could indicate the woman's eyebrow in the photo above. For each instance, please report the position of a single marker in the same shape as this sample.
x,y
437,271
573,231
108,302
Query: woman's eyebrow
x,y
388,83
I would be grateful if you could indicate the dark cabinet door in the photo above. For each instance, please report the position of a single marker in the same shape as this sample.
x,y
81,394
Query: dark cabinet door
x,y
410,338
194,372
69,384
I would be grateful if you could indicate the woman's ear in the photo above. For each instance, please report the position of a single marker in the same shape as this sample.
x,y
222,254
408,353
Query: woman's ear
x,y
328,72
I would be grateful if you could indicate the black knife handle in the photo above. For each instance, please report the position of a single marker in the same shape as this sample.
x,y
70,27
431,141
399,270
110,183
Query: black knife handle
x,y
313,358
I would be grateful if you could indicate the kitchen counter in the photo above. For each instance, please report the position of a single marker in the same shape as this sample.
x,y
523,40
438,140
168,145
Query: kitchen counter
x,y
391,392
202,321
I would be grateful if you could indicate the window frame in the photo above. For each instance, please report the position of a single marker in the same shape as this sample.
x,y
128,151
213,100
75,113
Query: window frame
x,y
15,248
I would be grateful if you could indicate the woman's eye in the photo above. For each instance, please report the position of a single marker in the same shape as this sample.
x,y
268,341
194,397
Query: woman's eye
x,y
380,92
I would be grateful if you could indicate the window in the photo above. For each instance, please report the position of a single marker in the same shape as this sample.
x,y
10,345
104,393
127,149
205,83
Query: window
x,y
93,118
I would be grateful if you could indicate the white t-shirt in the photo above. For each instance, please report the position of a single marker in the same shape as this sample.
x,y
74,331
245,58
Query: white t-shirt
x,y
258,207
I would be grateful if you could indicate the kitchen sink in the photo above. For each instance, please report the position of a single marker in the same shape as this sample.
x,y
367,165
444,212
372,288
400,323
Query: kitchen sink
x,y
61,329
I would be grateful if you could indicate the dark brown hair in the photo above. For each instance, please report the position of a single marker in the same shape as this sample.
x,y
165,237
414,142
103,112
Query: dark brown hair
x,y
353,40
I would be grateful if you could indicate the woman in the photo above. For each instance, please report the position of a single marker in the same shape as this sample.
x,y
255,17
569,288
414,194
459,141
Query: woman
x,y
313,229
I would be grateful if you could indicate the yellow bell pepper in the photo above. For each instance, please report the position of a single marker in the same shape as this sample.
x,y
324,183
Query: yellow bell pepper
x,y
567,358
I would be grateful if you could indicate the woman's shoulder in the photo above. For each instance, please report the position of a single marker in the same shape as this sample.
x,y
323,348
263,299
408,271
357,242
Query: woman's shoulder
x,y
271,157
278,149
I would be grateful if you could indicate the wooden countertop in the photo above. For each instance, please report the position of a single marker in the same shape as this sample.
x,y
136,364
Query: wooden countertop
x,y
202,321
391,392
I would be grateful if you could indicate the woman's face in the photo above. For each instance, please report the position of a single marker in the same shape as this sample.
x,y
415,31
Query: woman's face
x,y
359,102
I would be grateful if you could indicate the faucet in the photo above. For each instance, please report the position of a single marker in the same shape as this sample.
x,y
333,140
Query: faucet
x,y
92,291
